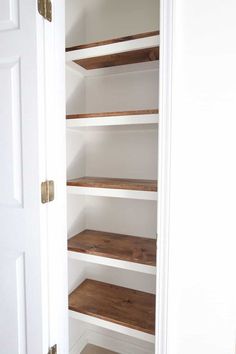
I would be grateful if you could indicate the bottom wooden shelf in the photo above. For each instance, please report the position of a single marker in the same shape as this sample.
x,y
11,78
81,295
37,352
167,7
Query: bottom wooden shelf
x,y
93,349
123,306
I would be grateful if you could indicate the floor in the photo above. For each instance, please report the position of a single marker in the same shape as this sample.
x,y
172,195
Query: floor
x,y
91,349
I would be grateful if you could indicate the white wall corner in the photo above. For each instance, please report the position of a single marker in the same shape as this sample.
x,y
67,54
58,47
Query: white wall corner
x,y
117,344
113,343
80,344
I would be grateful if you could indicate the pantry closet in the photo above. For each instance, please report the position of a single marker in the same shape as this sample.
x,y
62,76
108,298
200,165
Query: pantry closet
x,y
112,80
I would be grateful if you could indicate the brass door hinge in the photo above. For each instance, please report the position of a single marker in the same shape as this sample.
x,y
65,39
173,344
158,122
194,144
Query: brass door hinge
x,y
45,9
47,191
53,350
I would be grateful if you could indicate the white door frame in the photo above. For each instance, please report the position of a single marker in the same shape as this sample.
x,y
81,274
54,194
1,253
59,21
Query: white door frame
x,y
164,162
55,133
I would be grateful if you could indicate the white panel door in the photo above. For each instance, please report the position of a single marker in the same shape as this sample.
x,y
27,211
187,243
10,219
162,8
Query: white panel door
x,y
23,236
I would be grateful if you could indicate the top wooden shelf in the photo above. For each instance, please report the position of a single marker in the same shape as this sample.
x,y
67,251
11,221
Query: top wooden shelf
x,y
114,40
139,48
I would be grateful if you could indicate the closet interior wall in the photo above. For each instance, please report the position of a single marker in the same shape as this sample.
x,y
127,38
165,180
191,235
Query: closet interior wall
x,y
111,151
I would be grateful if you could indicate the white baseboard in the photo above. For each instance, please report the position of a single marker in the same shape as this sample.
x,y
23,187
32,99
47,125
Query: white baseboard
x,y
112,342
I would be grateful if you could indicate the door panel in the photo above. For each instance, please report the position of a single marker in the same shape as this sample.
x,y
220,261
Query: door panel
x,y
9,14
10,133
12,306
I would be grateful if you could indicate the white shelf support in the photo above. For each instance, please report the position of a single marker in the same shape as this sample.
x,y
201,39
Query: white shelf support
x,y
113,193
112,326
111,262
116,120
114,48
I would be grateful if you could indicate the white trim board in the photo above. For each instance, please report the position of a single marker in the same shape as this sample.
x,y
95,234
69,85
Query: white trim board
x,y
115,343
116,120
112,342
113,48
113,70
165,110
112,326
137,267
114,193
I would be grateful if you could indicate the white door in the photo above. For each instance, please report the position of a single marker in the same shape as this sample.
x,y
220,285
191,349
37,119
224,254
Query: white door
x,y
24,238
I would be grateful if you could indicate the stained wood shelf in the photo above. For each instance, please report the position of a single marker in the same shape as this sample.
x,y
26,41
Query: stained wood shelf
x,y
119,306
116,250
115,183
113,41
145,116
139,48
114,187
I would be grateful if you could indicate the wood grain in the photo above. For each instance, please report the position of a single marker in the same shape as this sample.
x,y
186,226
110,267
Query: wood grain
x,y
114,40
126,307
123,247
115,183
124,58
112,114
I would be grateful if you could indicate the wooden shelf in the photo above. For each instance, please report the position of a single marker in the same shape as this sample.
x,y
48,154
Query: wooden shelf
x,y
125,58
115,304
112,114
139,48
112,41
115,183
114,188
124,248
147,116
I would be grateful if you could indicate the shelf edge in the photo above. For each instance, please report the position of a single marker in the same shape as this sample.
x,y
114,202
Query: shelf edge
x,y
112,262
113,120
112,326
114,193
114,48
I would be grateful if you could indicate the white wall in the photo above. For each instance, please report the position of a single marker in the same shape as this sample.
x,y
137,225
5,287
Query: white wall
x,y
202,262
94,20
120,92
112,18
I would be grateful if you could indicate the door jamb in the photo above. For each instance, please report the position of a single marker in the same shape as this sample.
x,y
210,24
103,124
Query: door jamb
x,y
164,162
